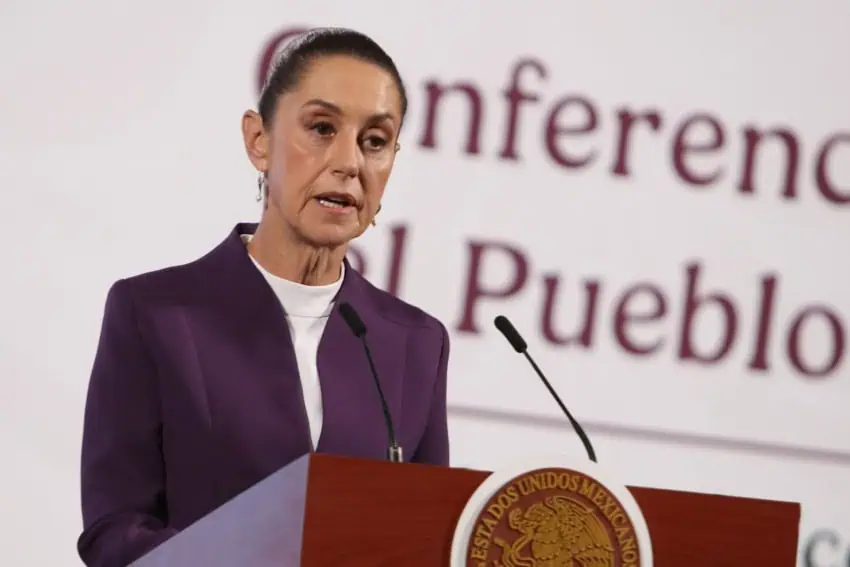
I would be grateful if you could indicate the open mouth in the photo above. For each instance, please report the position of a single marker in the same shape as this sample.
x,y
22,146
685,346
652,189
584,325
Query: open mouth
x,y
336,200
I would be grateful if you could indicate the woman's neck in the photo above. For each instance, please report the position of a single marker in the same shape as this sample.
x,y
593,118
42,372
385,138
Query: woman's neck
x,y
282,254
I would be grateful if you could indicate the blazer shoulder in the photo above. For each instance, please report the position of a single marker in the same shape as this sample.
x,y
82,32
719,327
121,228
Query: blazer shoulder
x,y
176,282
399,311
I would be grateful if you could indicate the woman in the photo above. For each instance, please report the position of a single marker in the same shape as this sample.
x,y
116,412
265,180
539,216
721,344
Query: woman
x,y
210,376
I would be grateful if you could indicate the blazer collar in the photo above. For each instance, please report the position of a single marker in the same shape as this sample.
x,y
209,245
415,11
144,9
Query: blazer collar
x,y
247,287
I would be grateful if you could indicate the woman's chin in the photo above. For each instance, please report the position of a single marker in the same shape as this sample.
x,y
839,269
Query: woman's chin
x,y
329,235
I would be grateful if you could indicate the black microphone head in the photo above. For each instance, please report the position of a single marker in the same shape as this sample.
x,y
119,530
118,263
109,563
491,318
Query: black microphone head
x,y
510,333
352,319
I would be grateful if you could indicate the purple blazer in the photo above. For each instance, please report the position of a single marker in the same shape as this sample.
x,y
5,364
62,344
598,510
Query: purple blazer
x,y
195,396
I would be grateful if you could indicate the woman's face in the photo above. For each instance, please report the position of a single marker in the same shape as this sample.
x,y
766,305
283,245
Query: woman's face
x,y
330,150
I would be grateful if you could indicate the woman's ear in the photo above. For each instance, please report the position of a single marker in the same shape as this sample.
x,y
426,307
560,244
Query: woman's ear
x,y
256,140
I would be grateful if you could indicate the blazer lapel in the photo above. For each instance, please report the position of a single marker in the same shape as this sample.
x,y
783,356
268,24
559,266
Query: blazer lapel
x,y
248,361
251,374
354,422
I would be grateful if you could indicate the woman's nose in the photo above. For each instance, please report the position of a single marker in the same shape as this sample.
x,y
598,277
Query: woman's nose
x,y
346,156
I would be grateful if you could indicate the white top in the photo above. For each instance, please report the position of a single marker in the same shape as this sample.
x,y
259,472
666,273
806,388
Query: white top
x,y
307,308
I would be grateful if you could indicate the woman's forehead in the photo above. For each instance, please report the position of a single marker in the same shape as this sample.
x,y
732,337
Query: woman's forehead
x,y
348,86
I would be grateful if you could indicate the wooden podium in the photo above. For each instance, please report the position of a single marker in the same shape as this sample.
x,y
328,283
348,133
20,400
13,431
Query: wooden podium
x,y
342,512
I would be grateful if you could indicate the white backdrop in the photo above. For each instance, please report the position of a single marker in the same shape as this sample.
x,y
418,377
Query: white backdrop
x,y
121,153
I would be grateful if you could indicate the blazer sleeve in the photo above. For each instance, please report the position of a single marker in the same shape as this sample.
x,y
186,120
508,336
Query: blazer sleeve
x,y
433,449
122,472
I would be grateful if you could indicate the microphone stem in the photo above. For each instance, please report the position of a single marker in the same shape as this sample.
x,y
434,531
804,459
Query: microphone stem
x,y
394,453
578,429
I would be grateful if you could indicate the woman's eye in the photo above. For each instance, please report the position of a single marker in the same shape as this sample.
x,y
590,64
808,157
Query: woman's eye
x,y
323,128
375,142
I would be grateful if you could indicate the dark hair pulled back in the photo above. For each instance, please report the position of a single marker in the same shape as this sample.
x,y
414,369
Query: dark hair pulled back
x,y
295,58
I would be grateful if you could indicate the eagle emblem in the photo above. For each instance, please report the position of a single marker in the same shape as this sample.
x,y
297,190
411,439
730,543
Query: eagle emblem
x,y
556,532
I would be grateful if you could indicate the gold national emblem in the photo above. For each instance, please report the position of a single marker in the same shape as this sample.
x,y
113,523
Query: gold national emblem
x,y
553,517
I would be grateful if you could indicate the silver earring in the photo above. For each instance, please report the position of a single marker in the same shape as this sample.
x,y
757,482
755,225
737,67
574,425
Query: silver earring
x,y
261,187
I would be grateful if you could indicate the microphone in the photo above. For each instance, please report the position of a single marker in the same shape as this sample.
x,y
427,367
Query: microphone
x,y
519,344
355,323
